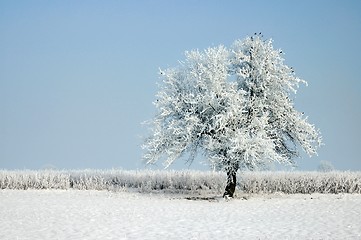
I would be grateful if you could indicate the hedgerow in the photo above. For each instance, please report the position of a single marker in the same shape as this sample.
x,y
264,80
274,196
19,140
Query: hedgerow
x,y
188,181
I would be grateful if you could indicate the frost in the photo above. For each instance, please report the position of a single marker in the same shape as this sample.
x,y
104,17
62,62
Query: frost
x,y
232,105
183,182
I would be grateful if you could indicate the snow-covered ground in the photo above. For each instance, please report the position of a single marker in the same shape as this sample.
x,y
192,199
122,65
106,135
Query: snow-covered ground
x,y
76,214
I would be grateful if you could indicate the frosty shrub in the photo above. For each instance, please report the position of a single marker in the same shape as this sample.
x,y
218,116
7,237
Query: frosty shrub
x,y
187,182
235,106
301,182
25,179
143,181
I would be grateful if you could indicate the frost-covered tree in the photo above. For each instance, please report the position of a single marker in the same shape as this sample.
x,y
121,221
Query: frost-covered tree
x,y
325,166
235,106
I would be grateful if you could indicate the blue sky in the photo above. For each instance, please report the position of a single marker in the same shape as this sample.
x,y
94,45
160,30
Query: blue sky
x,y
77,78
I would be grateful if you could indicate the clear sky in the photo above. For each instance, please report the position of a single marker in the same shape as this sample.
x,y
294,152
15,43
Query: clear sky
x,y
77,78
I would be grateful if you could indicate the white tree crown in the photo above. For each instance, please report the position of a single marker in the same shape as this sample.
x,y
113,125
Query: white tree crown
x,y
232,104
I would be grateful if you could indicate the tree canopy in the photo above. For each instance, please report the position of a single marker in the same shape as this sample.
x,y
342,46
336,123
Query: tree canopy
x,y
234,105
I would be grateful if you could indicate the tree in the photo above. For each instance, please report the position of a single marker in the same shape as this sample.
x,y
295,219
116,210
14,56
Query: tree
x,y
325,166
235,106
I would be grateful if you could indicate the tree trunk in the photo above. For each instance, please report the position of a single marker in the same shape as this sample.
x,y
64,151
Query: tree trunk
x,y
231,184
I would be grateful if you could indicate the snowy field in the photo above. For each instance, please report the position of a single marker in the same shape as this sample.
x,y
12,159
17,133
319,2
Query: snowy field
x,y
90,214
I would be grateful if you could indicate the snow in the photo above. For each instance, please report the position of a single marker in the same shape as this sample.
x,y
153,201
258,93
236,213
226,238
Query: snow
x,y
80,214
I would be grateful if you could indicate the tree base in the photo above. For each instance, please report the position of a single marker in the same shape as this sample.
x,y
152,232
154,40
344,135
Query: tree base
x,y
231,184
